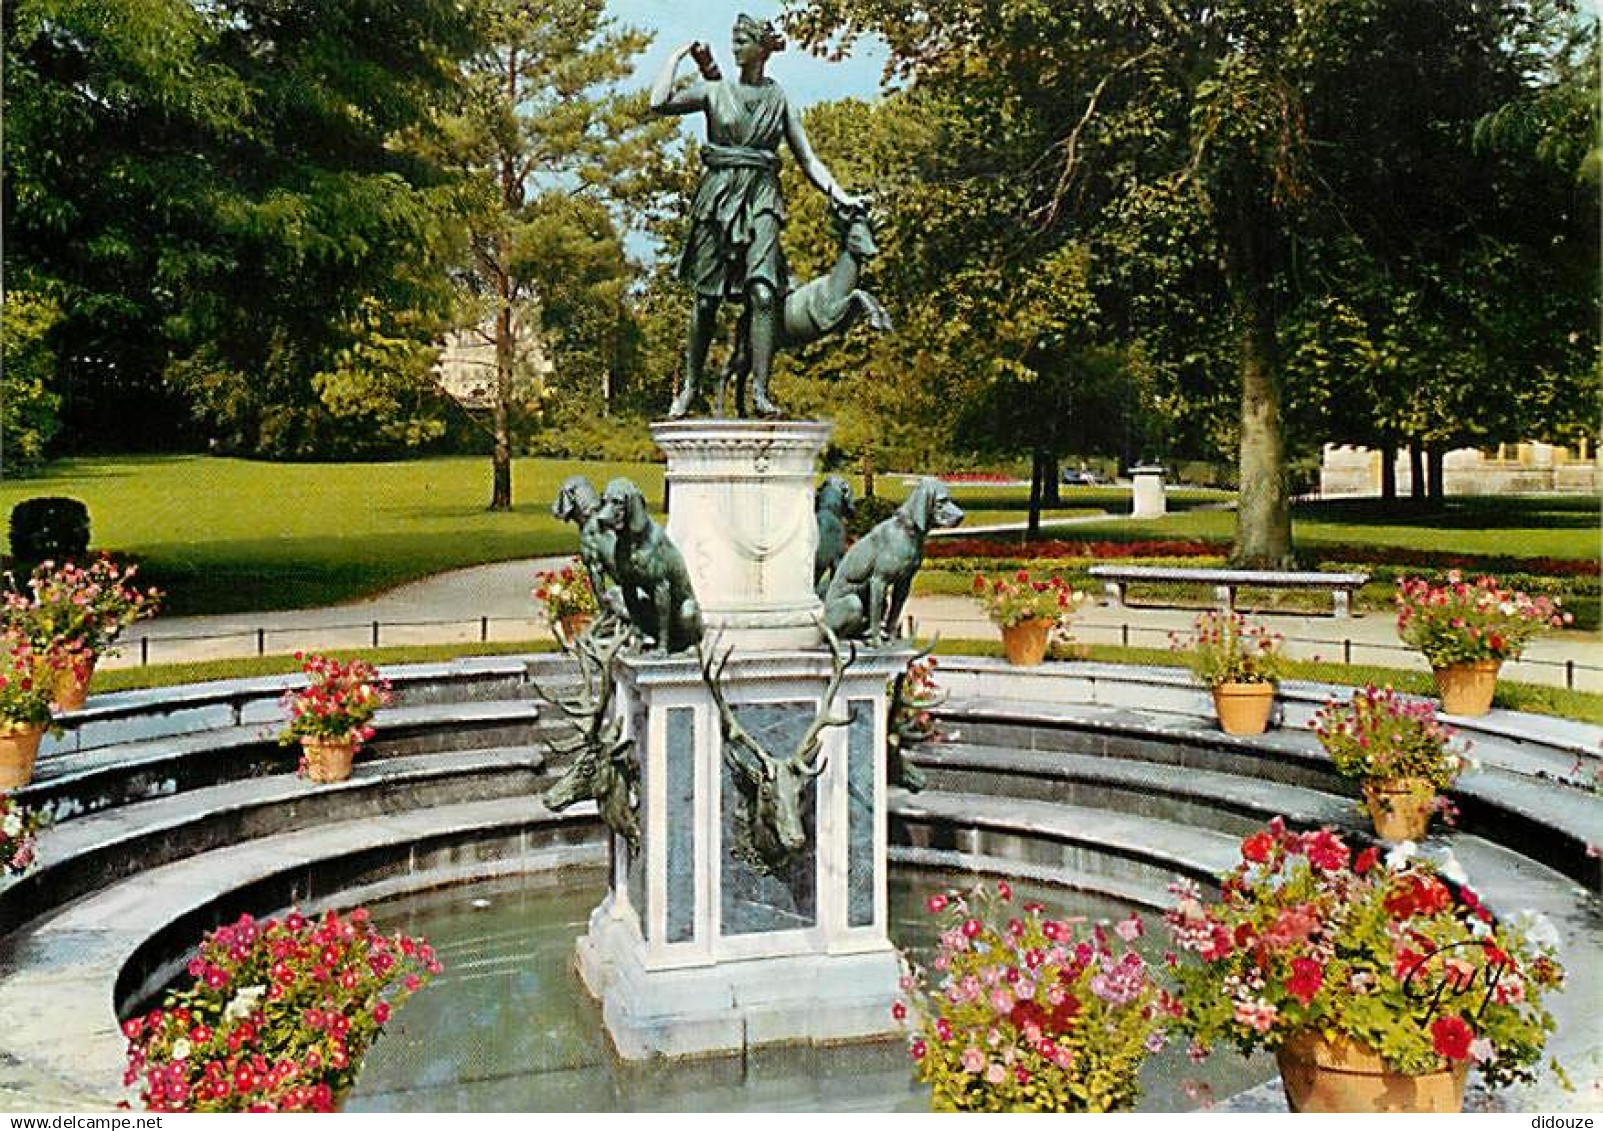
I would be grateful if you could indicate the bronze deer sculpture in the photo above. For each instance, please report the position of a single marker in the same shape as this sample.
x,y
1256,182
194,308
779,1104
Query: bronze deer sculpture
x,y
770,829
913,697
603,766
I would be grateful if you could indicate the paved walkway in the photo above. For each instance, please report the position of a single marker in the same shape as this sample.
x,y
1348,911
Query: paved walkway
x,y
493,602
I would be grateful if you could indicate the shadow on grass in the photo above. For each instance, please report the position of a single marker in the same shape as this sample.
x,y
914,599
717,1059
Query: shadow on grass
x,y
1459,513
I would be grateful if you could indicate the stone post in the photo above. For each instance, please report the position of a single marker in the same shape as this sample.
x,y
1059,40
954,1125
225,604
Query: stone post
x,y
1148,499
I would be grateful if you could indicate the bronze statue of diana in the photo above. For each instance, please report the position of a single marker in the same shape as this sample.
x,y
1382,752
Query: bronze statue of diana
x,y
736,217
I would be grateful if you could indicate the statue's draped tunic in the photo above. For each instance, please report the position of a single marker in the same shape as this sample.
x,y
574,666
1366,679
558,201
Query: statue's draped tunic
x,y
737,212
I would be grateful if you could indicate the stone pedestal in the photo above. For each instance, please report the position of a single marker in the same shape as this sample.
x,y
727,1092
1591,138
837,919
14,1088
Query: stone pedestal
x,y
740,509
1148,499
696,950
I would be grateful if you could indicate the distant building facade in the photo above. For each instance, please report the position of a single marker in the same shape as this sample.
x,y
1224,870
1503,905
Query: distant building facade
x,y
466,369
1512,469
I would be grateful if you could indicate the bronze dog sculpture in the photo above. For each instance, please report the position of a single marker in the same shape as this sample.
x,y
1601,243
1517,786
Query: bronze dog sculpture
x,y
578,503
870,586
650,571
834,505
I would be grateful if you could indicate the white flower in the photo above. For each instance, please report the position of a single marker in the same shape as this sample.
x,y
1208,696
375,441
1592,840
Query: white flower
x,y
1538,929
1481,1049
1479,928
1449,868
244,1003
13,824
181,1049
1397,859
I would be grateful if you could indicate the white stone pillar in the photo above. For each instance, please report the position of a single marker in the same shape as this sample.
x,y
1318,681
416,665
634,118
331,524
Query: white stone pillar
x,y
740,509
1148,499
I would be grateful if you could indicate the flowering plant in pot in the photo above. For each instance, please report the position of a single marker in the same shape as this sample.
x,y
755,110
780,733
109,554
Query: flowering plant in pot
x,y
19,828
279,1016
1020,1012
1399,752
1027,609
332,717
1377,982
26,685
1241,662
569,601
75,614
1467,630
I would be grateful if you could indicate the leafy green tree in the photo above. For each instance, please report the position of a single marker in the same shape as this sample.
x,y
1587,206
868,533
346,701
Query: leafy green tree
x,y
27,407
543,121
1215,157
217,193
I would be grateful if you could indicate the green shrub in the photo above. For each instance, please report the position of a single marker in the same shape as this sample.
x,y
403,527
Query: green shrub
x,y
49,528
870,513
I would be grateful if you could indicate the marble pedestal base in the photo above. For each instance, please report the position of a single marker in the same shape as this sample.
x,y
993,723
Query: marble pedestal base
x,y
698,947
740,509
732,1005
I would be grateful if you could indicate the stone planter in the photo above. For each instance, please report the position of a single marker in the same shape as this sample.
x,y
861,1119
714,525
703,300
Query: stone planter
x,y
572,626
1399,807
328,760
1243,708
1344,1076
1466,689
1025,642
72,692
19,746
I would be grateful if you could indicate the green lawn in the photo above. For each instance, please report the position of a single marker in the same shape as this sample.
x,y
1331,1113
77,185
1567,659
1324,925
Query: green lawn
x,y
1525,527
231,535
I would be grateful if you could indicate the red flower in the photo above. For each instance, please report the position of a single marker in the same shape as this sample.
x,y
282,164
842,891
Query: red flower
x,y
1257,848
1326,851
935,904
1306,979
972,928
1366,860
899,1011
1451,1037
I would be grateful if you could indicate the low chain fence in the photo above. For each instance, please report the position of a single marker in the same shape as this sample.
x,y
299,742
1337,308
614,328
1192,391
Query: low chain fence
x,y
151,648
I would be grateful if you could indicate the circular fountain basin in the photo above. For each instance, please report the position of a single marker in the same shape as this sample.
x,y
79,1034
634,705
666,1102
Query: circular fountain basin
x,y
509,1026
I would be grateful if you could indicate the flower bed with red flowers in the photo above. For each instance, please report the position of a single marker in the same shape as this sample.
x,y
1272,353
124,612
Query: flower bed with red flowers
x,y
996,477
1021,1013
1397,954
938,548
280,1015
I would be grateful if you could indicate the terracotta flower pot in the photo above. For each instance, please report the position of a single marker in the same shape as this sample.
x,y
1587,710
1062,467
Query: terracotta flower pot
x,y
1399,807
1345,1076
19,746
328,760
573,625
1466,689
1025,642
72,692
1243,708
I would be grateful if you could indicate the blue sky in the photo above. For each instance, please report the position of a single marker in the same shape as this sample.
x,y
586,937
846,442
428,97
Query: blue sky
x,y
806,79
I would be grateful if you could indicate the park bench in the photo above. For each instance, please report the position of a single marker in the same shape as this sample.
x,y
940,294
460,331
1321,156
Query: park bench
x,y
1225,581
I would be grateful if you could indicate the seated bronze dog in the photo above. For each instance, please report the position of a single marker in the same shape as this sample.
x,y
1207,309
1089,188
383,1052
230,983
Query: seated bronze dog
x,y
833,505
578,503
650,571
870,586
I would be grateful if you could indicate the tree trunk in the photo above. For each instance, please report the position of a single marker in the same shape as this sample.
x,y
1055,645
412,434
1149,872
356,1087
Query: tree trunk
x,y
1435,471
1033,529
868,475
1416,469
1051,491
1388,470
501,410
1263,504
